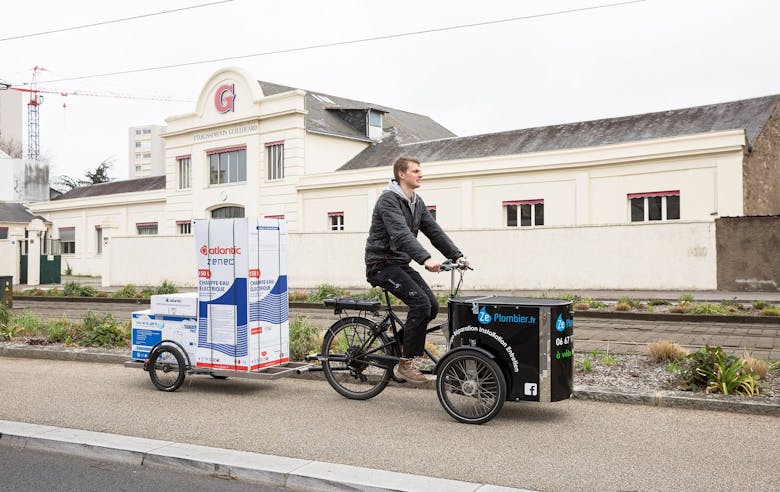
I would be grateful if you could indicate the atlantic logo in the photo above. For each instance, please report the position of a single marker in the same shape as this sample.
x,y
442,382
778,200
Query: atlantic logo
x,y
217,250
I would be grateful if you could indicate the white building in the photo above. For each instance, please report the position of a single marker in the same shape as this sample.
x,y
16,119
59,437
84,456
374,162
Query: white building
x,y
618,203
146,151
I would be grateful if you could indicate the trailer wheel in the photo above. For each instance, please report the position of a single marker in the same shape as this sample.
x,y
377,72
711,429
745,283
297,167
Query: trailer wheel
x,y
471,387
167,368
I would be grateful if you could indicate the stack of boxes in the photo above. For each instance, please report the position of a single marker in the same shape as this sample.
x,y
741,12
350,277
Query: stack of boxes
x,y
170,317
242,294
238,320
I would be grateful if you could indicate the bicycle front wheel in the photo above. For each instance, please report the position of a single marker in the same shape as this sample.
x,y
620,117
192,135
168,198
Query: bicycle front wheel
x,y
347,364
471,387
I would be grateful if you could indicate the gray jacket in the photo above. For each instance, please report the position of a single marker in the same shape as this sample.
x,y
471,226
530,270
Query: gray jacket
x,y
395,222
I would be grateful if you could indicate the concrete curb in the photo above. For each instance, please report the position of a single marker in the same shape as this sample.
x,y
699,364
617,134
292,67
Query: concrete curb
x,y
658,399
263,469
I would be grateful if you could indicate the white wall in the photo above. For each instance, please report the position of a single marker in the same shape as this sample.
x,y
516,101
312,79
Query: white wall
x,y
149,260
326,154
676,256
9,259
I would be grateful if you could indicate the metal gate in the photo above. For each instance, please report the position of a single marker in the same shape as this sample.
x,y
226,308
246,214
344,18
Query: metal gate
x,y
50,261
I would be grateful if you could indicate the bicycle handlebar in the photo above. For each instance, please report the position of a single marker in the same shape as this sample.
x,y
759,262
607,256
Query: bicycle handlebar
x,y
448,265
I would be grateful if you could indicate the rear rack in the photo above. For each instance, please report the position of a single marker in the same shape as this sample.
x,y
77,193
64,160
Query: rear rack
x,y
339,304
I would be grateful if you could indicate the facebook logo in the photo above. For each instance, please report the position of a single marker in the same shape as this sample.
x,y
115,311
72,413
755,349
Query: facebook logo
x,y
530,389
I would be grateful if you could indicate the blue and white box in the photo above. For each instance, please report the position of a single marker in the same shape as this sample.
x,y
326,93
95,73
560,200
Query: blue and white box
x,y
148,329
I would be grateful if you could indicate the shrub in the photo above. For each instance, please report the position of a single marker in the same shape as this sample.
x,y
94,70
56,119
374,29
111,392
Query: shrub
x,y
770,311
61,330
571,297
708,309
75,289
681,309
715,371
630,302
325,291
581,306
304,338
658,302
665,351
587,364
102,331
760,305
621,306
127,292
595,304
685,299
167,287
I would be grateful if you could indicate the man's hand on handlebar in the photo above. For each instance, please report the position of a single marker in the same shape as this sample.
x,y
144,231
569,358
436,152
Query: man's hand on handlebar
x,y
431,265
459,264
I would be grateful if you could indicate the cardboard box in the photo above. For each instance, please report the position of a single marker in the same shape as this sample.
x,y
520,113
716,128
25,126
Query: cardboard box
x,y
148,329
182,304
242,293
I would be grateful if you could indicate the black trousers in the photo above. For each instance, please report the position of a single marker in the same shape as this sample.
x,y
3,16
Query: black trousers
x,y
405,283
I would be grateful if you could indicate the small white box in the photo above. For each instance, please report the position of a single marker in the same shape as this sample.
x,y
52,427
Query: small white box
x,y
182,304
148,329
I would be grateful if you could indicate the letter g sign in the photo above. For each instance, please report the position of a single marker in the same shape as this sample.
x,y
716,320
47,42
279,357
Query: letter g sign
x,y
224,97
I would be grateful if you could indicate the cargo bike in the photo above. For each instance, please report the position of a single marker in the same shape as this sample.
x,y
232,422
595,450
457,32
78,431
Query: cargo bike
x,y
498,349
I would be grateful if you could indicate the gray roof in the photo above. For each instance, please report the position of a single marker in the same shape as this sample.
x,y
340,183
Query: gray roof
x,y
749,114
336,118
115,187
16,212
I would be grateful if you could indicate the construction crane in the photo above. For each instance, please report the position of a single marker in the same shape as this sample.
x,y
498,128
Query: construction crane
x,y
36,99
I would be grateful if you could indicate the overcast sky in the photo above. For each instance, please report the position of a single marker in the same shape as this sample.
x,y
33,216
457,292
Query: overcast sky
x,y
626,59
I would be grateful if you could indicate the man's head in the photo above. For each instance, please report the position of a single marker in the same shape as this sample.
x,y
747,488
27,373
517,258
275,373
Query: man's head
x,y
407,172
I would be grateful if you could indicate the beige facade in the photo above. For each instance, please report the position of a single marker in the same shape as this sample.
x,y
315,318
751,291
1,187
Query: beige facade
x,y
146,151
588,239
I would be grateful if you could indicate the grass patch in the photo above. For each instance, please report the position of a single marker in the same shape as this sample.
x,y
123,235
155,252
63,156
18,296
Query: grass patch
x,y
759,305
770,311
304,338
709,309
325,291
665,351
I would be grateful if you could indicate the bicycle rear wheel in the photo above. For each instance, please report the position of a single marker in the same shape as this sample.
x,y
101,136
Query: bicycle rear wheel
x,y
347,364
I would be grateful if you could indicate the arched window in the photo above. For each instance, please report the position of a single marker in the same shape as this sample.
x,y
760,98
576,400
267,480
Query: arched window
x,y
227,213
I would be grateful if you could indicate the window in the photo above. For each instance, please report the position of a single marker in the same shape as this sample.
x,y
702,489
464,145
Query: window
x,y
138,168
657,205
336,221
227,213
138,155
3,233
227,165
68,240
432,210
184,163
147,131
137,144
184,226
98,239
146,228
524,213
138,132
275,160
147,155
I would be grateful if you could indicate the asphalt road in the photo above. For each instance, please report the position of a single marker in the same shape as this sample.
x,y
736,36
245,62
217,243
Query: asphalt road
x,y
569,445
33,470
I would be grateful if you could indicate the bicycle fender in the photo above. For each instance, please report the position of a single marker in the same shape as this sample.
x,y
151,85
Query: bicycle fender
x,y
462,349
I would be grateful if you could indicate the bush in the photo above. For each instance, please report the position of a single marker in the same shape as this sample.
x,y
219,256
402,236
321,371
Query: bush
x,y
297,296
622,306
167,287
715,371
685,299
571,297
75,289
770,311
325,291
304,338
581,306
665,351
595,304
62,331
630,302
659,302
102,331
127,292
760,305
708,309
